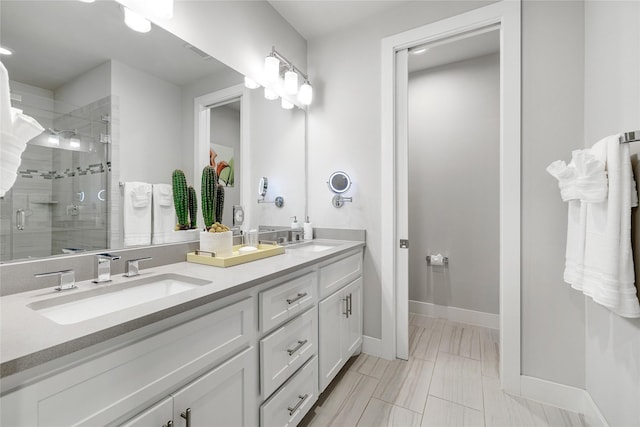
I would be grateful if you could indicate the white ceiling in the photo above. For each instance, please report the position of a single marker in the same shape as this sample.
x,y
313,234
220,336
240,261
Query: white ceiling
x,y
315,18
54,42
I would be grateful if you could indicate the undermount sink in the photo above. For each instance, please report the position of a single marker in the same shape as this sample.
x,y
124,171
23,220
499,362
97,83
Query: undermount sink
x,y
105,299
312,247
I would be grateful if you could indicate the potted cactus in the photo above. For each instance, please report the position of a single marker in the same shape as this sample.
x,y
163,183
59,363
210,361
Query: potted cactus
x,y
217,237
193,208
180,199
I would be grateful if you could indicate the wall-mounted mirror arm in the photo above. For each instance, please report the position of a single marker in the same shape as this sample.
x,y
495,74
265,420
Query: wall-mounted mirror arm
x,y
262,191
338,200
278,201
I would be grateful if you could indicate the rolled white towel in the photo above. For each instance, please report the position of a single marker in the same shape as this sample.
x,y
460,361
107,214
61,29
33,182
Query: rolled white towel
x,y
16,129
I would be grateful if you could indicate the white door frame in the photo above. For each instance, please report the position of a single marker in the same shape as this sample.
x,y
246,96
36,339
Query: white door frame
x,y
507,15
202,124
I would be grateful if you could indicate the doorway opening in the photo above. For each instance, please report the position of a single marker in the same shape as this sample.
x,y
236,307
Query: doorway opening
x,y
453,98
503,17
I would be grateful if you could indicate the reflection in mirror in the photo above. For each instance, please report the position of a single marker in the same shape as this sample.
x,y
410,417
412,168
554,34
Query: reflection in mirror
x,y
117,106
224,151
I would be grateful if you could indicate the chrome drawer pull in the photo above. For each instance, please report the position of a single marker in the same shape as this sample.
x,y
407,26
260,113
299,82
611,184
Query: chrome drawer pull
x,y
350,305
346,306
296,348
300,295
295,408
187,416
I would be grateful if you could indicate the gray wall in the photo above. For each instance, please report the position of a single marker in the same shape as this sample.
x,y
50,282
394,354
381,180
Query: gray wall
x,y
612,105
454,182
552,126
344,128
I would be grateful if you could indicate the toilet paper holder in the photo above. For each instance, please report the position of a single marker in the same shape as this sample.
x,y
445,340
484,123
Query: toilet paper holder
x,y
437,260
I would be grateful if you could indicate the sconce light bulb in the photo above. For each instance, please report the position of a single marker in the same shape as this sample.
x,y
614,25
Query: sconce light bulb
x,y
305,94
269,94
271,68
135,21
286,104
291,82
5,51
54,140
250,83
74,143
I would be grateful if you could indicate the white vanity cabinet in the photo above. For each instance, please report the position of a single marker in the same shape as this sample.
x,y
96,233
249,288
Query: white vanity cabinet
x,y
340,320
101,390
260,356
159,415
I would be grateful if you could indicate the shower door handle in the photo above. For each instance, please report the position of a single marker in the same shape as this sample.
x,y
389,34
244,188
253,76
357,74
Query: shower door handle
x,y
20,219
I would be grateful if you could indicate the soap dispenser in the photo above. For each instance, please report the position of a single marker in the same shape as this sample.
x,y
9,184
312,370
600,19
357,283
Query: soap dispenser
x,y
308,230
295,223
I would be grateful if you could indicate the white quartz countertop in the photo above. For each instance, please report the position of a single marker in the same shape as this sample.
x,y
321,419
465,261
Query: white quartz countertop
x,y
28,339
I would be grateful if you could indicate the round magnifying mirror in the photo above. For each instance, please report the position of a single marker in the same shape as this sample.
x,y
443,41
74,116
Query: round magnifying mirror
x,y
339,182
262,186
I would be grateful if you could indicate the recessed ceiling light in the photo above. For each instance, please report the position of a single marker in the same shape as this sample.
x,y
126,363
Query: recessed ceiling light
x,y
5,51
418,51
87,1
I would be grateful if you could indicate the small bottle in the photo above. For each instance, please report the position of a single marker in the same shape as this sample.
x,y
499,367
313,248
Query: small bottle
x,y
308,230
295,224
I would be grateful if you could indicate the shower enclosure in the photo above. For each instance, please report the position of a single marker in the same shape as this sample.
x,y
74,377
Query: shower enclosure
x,y
60,200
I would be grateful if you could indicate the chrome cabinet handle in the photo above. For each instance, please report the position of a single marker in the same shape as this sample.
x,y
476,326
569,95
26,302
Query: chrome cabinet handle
x,y
295,408
350,309
187,416
346,306
300,295
296,348
20,219
168,424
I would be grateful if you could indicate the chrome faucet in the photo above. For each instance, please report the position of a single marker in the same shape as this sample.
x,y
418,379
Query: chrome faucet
x,y
132,267
103,267
67,279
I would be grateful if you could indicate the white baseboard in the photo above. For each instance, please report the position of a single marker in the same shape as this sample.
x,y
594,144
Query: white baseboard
x,y
562,396
478,318
372,346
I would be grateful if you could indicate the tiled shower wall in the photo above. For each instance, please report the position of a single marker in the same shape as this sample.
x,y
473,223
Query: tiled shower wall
x,y
59,190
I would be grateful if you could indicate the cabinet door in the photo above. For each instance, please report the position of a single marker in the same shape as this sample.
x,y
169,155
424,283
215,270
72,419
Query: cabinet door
x,y
331,315
158,415
225,396
353,327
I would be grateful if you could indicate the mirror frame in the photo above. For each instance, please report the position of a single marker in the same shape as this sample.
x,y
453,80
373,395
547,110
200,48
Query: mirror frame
x,y
202,130
333,188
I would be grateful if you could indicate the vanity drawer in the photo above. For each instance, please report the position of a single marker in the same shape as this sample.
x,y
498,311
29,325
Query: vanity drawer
x,y
291,403
337,274
286,349
101,390
286,300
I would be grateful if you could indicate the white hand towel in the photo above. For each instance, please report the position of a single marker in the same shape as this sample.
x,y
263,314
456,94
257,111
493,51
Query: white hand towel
x,y
137,213
608,276
15,130
164,217
583,181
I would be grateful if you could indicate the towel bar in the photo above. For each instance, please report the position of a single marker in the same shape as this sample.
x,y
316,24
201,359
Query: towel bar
x,y
628,137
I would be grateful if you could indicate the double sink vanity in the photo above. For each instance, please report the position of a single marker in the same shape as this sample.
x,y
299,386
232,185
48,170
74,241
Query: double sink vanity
x,y
184,343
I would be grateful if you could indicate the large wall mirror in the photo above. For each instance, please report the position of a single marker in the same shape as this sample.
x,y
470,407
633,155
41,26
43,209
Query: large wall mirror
x,y
118,107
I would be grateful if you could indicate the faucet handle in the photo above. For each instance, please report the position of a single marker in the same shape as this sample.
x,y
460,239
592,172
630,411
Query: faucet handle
x,y
67,279
132,268
108,256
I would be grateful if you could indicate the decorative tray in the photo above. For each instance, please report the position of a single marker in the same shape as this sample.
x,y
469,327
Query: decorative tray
x,y
208,258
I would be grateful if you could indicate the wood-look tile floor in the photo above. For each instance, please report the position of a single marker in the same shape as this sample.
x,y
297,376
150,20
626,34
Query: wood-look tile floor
x,y
450,379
